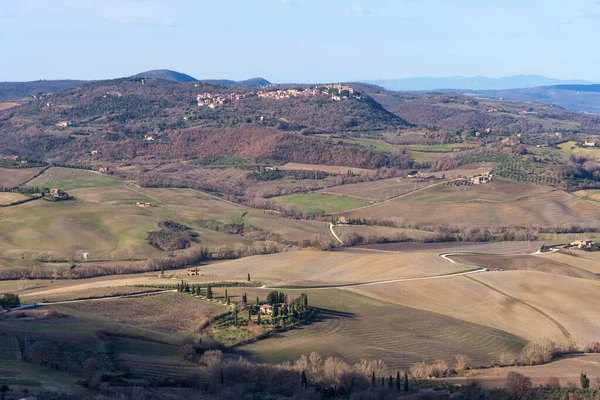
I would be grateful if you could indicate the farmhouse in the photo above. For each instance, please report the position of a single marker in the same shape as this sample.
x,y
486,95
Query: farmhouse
x,y
58,194
266,309
581,243
143,204
343,220
194,271
589,143
481,179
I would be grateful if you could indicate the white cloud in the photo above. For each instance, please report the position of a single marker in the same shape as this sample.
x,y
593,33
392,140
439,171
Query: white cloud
x,y
358,9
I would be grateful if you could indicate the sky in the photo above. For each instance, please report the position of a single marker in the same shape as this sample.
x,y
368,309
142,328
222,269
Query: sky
x,y
299,40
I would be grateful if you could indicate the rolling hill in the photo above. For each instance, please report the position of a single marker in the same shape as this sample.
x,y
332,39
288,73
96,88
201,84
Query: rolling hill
x,y
165,74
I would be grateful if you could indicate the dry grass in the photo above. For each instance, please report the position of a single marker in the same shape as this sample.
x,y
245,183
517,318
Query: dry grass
x,y
546,209
9,198
16,177
69,178
549,263
383,231
572,302
332,169
84,294
290,229
312,268
5,105
567,370
171,312
454,297
355,327
377,190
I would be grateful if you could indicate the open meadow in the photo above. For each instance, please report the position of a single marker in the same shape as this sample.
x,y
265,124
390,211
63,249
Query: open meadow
x,y
69,178
10,177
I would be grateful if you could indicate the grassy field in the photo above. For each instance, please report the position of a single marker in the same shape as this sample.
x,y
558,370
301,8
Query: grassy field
x,y
438,148
314,203
398,335
370,144
170,312
547,264
454,297
377,190
498,190
571,302
593,195
314,268
290,229
9,198
545,209
569,148
10,177
332,169
68,178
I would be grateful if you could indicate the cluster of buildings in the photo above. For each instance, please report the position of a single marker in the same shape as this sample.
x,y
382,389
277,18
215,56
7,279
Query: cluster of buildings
x,y
335,91
481,179
582,243
212,100
590,143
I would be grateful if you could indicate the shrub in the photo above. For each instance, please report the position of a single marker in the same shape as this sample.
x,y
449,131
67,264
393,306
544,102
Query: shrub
x,y
518,386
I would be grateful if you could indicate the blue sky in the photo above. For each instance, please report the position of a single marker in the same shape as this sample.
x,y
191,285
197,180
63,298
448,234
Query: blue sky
x,y
299,40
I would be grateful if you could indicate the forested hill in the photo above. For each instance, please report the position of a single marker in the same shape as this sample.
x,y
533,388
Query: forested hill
x,y
20,90
127,118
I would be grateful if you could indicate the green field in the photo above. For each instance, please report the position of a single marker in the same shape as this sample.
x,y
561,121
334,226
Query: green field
x,y
68,178
437,148
313,203
371,144
571,148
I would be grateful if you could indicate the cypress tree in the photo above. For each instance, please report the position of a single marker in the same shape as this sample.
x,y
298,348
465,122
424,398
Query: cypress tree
x,y
373,379
248,276
209,294
382,381
258,318
257,301
304,380
391,382
249,315
398,381
226,295
406,382
235,317
245,298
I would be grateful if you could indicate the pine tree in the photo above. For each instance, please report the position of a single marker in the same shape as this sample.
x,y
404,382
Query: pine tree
x,y
398,381
373,379
406,382
209,293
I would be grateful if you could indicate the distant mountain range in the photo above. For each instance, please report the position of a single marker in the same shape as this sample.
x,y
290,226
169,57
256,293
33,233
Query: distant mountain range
x,y
19,90
471,83
582,98
180,77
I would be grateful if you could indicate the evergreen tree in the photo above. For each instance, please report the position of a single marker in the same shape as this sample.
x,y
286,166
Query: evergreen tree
x,y
245,298
275,311
248,277
257,301
382,381
222,378
209,293
406,382
304,380
391,382
373,379
258,318
235,317
398,381
585,381
249,314
187,287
